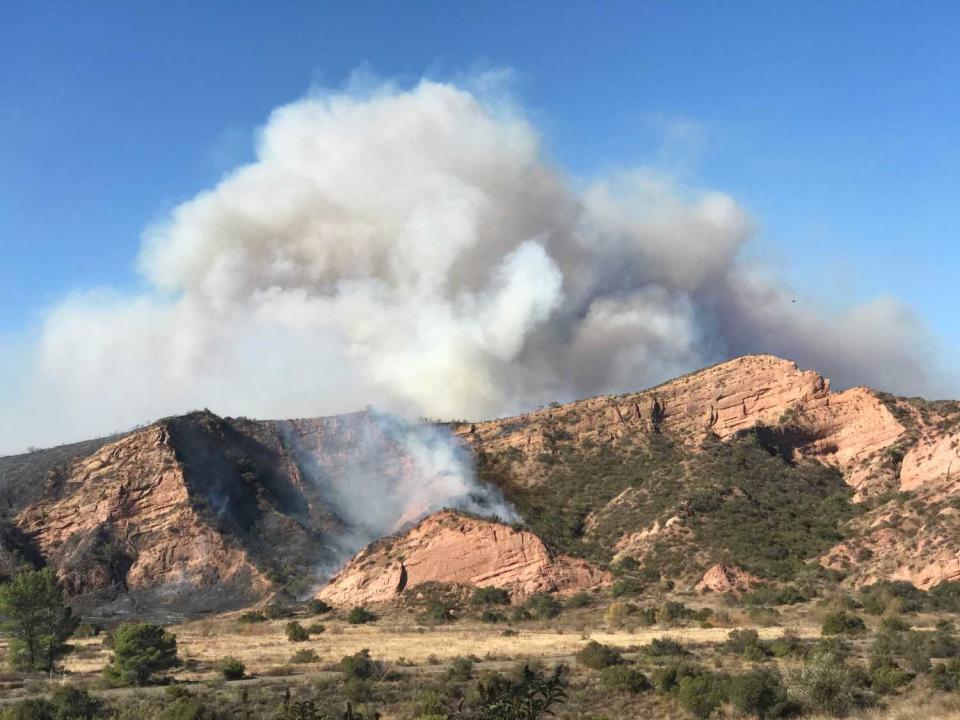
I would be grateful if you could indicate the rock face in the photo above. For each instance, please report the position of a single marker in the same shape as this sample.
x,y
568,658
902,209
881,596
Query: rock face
x,y
451,548
723,578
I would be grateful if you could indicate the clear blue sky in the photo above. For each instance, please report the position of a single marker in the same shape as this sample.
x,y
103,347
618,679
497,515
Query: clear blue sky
x,y
837,124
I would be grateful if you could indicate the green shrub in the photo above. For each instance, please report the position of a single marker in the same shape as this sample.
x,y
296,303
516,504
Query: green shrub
x,y
303,657
622,678
140,650
461,669
825,684
531,696
32,709
360,616
626,586
490,596
701,694
87,630
886,677
580,600
317,607
231,668
745,643
759,693
252,616
667,679
360,666
188,708
596,656
664,647
543,606
316,628
275,611
491,616
946,677
843,623
296,632
437,612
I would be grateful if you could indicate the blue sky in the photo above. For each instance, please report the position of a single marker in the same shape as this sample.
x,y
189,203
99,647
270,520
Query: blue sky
x,y
836,124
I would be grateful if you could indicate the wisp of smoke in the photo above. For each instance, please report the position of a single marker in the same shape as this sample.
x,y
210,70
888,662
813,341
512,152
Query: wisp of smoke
x,y
414,249
389,473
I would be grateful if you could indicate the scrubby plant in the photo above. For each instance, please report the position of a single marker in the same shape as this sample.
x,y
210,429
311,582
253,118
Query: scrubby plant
x,y
437,611
231,668
543,606
276,611
487,595
665,647
597,656
252,616
701,694
842,622
825,684
140,650
316,607
360,616
460,670
296,632
361,666
316,628
622,678
303,657
580,600
747,644
760,693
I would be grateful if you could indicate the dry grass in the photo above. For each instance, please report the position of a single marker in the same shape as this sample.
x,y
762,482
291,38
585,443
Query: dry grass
x,y
264,647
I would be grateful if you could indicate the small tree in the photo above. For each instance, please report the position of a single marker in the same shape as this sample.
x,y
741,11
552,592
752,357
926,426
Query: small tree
x,y
139,651
296,632
36,620
232,669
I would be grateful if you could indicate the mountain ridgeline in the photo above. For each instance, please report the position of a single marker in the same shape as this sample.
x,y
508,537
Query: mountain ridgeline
x,y
751,463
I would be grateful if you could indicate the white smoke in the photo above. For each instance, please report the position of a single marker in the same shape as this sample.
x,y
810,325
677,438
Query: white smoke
x,y
415,250
386,473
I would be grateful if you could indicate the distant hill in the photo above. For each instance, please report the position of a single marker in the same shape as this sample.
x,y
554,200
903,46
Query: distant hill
x,y
752,463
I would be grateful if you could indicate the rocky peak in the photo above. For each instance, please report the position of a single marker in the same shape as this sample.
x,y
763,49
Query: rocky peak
x,y
452,548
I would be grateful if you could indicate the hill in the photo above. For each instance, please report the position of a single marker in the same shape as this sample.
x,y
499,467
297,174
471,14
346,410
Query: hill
x,y
752,463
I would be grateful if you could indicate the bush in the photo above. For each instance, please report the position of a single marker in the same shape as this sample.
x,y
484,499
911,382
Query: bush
x,y
188,708
302,657
252,616
316,628
543,606
461,669
490,616
232,669
947,677
140,650
759,693
825,684
886,676
843,623
664,647
667,678
87,630
624,679
317,607
275,611
626,586
296,632
490,596
360,616
580,600
437,612
700,694
597,656
33,709
360,666
745,643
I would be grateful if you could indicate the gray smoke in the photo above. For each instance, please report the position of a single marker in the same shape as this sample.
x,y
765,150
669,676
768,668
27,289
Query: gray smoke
x,y
416,250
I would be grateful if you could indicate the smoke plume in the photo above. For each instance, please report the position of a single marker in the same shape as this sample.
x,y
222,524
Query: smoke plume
x,y
414,249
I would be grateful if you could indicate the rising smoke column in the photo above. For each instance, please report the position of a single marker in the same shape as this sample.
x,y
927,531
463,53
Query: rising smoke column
x,y
415,250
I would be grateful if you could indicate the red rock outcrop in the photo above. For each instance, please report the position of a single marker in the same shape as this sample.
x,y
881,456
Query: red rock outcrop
x,y
724,578
129,505
451,548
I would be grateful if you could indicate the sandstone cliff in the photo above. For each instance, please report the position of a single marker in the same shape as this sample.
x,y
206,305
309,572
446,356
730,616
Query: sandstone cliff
x,y
451,548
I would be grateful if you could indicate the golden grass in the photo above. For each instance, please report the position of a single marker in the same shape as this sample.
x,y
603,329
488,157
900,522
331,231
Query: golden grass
x,y
264,646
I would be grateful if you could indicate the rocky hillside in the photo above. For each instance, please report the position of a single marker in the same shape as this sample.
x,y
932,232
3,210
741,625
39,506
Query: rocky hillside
x,y
751,463
455,549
